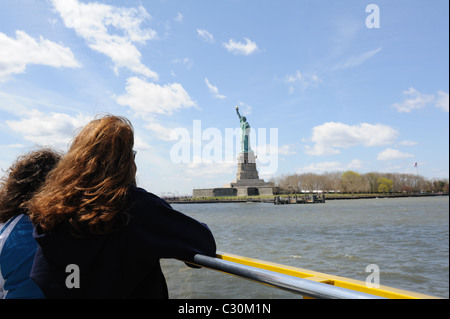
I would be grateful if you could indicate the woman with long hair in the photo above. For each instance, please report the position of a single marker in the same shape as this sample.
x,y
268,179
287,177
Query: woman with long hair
x,y
99,235
17,246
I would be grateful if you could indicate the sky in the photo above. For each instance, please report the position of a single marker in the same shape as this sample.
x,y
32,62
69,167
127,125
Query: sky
x,y
327,86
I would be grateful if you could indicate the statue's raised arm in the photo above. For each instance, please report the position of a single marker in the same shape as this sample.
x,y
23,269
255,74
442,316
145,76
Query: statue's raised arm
x,y
237,111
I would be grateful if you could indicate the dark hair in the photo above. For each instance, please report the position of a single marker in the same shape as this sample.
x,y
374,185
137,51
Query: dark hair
x,y
23,179
89,186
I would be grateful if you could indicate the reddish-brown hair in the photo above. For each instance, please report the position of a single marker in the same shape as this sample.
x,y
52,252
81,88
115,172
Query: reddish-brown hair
x,y
89,186
23,179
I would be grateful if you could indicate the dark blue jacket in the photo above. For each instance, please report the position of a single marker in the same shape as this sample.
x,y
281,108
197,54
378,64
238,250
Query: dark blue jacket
x,y
17,249
124,263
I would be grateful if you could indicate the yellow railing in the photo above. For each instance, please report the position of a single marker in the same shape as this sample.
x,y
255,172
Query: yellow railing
x,y
347,288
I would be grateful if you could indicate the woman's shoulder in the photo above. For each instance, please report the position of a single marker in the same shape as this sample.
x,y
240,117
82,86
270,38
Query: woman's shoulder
x,y
139,197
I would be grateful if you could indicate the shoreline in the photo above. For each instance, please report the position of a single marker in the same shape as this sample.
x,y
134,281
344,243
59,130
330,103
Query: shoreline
x,y
270,200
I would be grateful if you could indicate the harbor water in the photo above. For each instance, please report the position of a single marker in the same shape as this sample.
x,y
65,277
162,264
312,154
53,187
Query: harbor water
x,y
407,238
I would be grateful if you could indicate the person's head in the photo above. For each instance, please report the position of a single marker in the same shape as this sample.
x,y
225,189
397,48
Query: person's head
x,y
23,179
90,184
102,153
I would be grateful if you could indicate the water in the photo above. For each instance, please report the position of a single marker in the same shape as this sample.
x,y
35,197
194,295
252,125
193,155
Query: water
x,y
407,238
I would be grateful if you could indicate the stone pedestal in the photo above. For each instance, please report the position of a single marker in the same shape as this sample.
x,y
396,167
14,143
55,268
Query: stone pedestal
x,y
247,181
247,166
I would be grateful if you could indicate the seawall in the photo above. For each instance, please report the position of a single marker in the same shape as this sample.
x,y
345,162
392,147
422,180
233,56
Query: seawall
x,y
193,200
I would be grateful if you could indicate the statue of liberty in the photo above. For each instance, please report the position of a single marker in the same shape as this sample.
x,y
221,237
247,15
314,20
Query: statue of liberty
x,y
245,133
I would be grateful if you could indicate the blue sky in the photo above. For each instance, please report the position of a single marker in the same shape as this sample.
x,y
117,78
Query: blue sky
x,y
337,94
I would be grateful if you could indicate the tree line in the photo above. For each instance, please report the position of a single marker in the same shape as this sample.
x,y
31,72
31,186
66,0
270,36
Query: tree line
x,y
353,182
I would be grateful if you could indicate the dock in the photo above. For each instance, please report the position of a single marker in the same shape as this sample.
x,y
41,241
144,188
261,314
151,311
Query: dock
x,y
307,199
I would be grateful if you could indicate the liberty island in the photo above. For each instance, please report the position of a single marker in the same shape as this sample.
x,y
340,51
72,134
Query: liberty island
x,y
247,181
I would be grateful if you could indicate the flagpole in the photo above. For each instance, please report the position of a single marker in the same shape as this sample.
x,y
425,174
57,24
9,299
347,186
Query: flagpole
x,y
417,174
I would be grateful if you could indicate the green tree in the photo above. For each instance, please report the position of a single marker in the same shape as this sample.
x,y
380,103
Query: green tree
x,y
385,185
352,182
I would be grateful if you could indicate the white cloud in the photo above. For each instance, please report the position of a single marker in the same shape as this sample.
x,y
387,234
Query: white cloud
x,y
185,61
294,78
95,23
287,149
140,143
442,101
330,136
205,35
390,154
415,101
52,129
301,80
214,90
148,98
204,169
356,60
16,54
320,150
407,143
162,132
334,166
240,48
244,108
179,17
